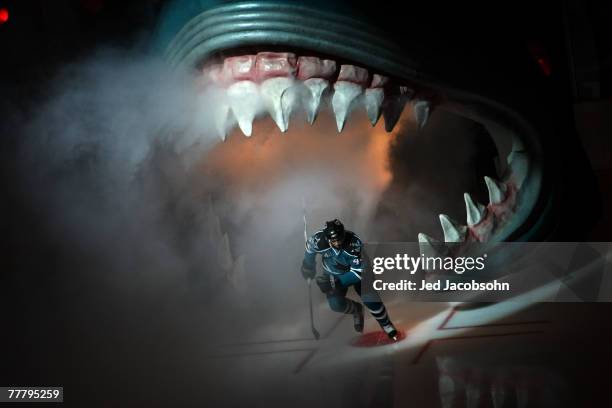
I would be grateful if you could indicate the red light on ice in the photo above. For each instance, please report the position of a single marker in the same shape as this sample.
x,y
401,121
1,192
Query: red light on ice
x,y
4,15
376,339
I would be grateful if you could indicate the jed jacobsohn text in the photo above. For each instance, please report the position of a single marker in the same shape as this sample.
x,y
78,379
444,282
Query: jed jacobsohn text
x,y
441,285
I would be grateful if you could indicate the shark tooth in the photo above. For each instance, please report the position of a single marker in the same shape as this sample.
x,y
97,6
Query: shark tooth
x,y
280,99
453,231
373,100
315,89
394,106
497,191
222,120
345,93
427,244
421,110
219,114
518,164
243,97
475,211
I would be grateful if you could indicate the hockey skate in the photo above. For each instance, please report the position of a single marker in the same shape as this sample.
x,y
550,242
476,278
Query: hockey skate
x,y
391,331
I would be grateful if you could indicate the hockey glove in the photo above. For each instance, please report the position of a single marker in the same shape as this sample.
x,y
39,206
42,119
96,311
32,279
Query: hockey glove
x,y
308,272
327,283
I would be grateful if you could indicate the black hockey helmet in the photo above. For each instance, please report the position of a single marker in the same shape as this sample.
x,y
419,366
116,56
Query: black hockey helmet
x,y
334,230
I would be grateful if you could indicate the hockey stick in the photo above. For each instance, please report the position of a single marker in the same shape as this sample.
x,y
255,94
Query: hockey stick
x,y
315,333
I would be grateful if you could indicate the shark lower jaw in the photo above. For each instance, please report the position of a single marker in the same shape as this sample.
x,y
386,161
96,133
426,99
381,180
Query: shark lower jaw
x,y
282,60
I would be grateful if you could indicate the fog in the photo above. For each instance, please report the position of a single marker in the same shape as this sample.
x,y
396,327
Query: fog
x,y
147,236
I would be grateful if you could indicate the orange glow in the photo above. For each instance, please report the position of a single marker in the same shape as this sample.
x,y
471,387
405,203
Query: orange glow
x,y
359,154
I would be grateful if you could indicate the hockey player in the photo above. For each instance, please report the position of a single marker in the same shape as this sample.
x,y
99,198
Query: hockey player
x,y
341,252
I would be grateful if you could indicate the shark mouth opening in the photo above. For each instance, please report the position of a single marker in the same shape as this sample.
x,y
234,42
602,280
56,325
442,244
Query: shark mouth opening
x,y
317,99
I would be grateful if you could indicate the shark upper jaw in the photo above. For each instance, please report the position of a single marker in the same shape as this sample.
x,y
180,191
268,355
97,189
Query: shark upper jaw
x,y
366,69
280,83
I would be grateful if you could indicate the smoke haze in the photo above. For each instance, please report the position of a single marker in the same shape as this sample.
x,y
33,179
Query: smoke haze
x,y
137,213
